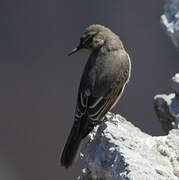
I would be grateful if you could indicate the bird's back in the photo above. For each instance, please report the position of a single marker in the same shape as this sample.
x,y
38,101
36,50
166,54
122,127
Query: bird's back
x,y
103,68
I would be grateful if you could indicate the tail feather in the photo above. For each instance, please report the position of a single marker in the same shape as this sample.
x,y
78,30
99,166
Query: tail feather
x,y
71,147
79,131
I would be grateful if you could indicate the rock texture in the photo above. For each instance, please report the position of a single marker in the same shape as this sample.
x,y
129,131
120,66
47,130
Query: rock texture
x,y
170,20
167,107
117,150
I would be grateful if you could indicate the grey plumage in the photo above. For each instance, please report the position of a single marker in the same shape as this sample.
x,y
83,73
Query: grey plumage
x,y
105,75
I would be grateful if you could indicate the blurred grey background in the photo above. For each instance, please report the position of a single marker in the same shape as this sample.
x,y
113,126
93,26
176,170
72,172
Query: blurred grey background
x,y
39,82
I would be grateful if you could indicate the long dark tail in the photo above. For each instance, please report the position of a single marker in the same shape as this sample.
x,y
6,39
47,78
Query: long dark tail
x,y
71,147
80,130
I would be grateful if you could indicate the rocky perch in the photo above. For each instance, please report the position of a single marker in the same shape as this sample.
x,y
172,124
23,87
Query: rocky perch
x,y
117,150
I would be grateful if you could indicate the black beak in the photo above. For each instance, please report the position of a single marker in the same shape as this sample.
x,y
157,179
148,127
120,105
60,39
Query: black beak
x,y
74,50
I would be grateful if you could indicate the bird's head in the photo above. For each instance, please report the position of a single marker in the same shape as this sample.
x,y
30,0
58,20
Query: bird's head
x,y
92,38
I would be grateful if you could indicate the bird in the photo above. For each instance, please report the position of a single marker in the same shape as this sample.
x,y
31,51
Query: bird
x,y
104,78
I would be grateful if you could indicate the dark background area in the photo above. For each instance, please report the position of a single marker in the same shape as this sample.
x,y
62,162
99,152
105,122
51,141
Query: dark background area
x,y
39,82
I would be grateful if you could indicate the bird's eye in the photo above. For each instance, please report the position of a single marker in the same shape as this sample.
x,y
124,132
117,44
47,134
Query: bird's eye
x,y
87,40
82,40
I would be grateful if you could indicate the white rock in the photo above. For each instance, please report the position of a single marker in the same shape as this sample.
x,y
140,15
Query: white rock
x,y
170,20
167,107
117,150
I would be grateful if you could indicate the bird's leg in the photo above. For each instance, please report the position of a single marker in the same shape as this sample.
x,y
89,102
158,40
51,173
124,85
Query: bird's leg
x,y
108,117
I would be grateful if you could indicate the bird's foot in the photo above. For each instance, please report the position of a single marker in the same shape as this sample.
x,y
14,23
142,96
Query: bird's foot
x,y
108,117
